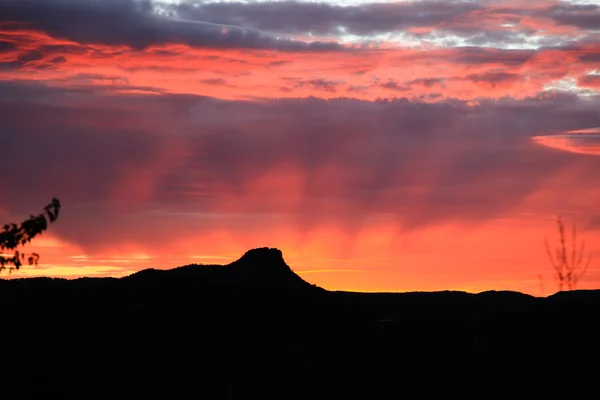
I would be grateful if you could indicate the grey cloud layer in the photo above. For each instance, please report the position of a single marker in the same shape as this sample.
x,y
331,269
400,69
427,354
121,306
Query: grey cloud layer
x,y
585,16
325,19
424,163
265,25
134,23
371,19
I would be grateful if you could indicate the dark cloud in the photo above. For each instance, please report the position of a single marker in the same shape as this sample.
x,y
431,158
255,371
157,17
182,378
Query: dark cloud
x,y
270,25
22,60
475,35
472,55
321,84
493,77
135,23
325,19
43,57
585,16
33,55
68,49
586,50
465,19
141,167
592,57
427,82
6,46
478,55
58,60
87,78
215,81
394,85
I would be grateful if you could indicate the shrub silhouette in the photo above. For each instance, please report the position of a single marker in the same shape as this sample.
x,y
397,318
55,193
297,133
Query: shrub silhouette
x,y
569,265
14,235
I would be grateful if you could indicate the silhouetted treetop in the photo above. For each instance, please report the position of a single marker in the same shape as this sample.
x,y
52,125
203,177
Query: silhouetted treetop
x,y
15,235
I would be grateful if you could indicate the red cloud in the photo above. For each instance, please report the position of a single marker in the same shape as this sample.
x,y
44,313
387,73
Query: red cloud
x,y
462,73
590,81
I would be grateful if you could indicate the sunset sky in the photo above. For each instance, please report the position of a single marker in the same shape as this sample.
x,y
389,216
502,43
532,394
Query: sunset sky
x,y
390,146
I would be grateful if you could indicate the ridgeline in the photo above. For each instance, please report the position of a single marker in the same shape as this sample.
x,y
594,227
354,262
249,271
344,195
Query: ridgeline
x,y
255,329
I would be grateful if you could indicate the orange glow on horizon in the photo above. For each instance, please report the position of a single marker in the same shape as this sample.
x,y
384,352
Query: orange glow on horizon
x,y
499,255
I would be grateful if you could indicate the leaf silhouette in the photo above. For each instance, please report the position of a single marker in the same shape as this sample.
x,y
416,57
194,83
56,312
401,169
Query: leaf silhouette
x,y
15,235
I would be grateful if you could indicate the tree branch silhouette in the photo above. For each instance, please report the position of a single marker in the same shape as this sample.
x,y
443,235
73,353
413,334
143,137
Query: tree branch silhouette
x,y
13,236
569,265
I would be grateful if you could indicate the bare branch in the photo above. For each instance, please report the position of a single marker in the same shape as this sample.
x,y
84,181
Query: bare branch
x,y
568,264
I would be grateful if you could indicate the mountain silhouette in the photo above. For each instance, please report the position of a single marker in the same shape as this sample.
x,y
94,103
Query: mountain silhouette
x,y
264,264
257,326
260,269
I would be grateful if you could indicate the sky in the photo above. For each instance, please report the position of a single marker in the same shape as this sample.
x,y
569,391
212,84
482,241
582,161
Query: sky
x,y
391,146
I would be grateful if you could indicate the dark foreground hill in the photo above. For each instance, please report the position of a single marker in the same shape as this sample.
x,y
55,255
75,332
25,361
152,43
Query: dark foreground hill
x,y
254,329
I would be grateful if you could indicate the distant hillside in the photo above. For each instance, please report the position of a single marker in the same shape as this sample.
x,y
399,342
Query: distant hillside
x,y
258,326
262,274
